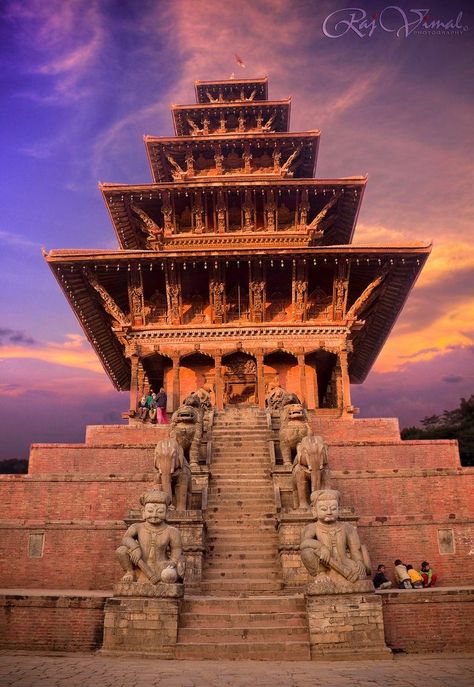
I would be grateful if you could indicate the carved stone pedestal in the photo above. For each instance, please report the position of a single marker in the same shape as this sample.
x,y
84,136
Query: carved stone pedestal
x,y
345,623
143,619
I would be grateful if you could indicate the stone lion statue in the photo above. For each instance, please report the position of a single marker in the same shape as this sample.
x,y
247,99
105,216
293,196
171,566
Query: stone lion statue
x,y
187,427
293,428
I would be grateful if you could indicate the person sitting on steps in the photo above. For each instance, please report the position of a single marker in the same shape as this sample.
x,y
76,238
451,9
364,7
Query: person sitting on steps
x,y
380,581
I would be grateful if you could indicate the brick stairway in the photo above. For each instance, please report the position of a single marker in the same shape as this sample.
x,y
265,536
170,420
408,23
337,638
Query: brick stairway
x,y
242,613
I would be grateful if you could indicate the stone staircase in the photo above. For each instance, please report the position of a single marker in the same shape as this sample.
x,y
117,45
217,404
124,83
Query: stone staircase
x,y
243,612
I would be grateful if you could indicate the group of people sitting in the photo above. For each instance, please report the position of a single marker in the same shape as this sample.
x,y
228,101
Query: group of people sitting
x,y
153,408
406,576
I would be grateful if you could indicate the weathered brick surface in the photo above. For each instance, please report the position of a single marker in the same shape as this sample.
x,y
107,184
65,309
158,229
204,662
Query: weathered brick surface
x,y
57,623
141,625
122,458
83,459
352,429
345,624
79,554
429,620
138,433
364,455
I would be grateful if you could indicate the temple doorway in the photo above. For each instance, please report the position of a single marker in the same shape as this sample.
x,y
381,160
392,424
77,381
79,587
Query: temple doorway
x,y
240,378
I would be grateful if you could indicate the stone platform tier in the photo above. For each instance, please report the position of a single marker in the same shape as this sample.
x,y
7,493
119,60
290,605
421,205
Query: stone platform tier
x,y
413,499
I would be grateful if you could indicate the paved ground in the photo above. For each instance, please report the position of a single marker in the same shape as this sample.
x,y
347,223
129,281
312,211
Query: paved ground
x,y
44,670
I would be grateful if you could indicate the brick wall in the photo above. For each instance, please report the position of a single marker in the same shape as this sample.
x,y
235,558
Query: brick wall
x,y
429,620
57,623
116,459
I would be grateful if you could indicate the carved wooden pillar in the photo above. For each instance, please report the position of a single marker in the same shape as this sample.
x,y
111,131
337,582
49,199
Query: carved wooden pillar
x,y
142,381
167,210
260,380
247,159
302,370
221,213
173,294
257,291
316,386
189,162
300,290
176,383
303,209
135,296
219,382
270,211
218,159
222,124
197,213
248,211
134,361
276,160
340,289
345,381
217,294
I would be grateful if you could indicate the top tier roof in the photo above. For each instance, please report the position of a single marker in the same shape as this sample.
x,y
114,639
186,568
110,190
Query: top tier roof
x,y
231,90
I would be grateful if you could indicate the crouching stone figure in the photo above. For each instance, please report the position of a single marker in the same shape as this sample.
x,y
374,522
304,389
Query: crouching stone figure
x,y
331,548
151,551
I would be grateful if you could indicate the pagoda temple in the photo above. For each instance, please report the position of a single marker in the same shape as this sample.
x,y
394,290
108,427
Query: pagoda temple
x,y
235,266
236,272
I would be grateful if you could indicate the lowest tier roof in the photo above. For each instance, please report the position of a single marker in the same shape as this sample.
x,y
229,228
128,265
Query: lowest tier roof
x,y
399,265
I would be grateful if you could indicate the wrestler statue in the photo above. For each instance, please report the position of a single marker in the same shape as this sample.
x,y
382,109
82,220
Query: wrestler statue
x,y
331,548
151,551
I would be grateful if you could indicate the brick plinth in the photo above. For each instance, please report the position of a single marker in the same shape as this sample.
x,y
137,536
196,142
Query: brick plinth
x,y
429,620
346,625
51,623
142,625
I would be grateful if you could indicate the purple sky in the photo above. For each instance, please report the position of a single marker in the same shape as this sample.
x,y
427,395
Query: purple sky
x,y
83,80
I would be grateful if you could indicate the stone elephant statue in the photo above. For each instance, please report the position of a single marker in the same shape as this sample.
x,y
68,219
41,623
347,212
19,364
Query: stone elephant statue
x,y
173,474
310,469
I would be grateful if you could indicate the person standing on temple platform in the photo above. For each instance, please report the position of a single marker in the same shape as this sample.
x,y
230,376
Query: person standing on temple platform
x,y
429,578
142,409
380,581
415,577
401,575
161,400
152,412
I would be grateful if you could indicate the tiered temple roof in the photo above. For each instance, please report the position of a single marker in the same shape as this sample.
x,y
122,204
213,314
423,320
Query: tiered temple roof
x,y
235,246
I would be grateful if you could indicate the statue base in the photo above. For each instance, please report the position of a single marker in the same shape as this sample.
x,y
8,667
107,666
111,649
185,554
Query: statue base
x,y
142,619
345,620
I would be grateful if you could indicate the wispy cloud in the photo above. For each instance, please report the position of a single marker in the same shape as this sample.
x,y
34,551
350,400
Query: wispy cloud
x,y
66,39
8,238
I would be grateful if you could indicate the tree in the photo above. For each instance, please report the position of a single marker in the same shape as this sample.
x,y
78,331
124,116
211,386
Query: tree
x,y
452,424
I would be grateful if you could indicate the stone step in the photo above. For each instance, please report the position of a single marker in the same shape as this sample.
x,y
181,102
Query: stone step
x,y
237,585
223,635
220,550
262,604
216,573
231,498
246,530
258,565
253,557
243,620
255,651
236,514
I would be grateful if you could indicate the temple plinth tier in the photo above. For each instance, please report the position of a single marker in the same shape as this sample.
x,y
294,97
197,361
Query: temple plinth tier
x,y
235,265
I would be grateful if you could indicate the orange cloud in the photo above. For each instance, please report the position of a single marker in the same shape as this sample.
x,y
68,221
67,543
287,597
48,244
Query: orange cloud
x,y
74,352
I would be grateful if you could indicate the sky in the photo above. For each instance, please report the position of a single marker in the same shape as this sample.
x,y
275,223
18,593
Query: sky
x,y
82,81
